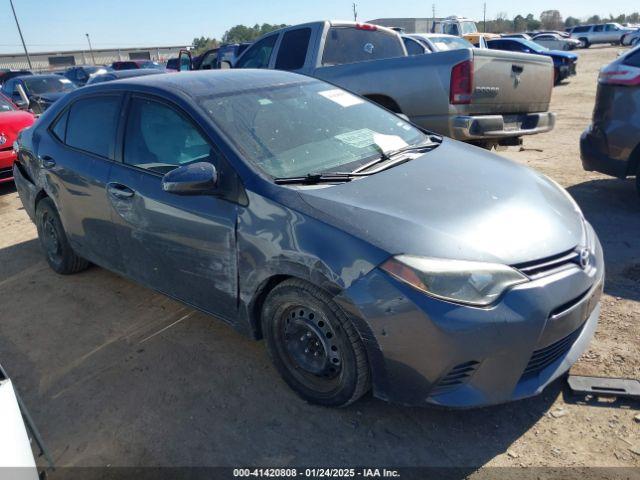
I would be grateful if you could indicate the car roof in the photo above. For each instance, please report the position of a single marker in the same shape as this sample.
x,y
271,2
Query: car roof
x,y
208,82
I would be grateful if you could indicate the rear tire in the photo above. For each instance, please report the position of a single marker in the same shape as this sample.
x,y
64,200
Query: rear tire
x,y
53,239
584,42
313,345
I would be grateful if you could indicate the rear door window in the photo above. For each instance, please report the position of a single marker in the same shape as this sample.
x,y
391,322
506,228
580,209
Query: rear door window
x,y
349,45
259,54
92,124
598,28
292,52
413,47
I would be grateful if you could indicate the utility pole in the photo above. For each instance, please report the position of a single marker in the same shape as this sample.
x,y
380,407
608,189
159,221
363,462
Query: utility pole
x,y
484,18
21,37
355,12
91,49
433,16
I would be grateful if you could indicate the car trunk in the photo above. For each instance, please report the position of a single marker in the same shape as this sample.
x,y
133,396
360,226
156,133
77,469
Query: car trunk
x,y
509,82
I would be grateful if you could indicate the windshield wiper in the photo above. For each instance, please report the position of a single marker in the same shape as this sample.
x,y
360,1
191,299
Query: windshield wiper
x,y
315,178
388,156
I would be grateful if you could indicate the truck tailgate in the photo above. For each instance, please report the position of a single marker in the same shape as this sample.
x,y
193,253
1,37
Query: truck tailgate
x,y
510,82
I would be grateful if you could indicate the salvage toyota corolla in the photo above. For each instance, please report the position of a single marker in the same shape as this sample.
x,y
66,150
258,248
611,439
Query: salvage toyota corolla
x,y
371,255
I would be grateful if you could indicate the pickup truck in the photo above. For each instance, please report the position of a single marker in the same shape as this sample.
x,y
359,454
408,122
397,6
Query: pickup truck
x,y
485,97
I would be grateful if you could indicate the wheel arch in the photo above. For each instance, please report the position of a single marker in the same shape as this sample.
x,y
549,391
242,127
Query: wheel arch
x,y
384,101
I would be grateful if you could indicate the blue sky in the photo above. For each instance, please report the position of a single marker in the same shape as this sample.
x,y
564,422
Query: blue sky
x,y
62,24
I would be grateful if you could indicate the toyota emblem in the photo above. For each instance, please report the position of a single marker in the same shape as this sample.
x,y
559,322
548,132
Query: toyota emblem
x,y
585,258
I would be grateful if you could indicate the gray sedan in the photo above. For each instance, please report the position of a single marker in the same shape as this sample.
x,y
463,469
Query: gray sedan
x,y
611,144
370,254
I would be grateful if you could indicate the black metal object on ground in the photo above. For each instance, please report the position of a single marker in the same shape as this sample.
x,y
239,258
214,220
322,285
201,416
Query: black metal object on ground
x,y
602,386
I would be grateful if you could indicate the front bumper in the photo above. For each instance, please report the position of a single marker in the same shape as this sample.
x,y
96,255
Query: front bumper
x,y
593,152
426,351
7,157
481,127
567,70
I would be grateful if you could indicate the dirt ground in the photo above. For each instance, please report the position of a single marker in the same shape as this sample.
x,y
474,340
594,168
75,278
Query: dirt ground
x,y
115,374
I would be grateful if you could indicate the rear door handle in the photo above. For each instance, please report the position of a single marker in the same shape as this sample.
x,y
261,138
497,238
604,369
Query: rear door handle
x,y
120,191
47,161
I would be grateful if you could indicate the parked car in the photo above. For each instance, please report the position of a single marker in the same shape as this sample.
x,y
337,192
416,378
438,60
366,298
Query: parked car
x,y
631,38
37,92
466,94
564,63
596,34
564,34
172,64
611,144
479,40
7,74
523,36
135,64
553,41
12,121
80,74
368,253
436,42
118,74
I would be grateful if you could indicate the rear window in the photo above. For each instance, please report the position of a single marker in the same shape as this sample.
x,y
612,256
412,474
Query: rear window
x,y
349,45
413,47
293,49
633,59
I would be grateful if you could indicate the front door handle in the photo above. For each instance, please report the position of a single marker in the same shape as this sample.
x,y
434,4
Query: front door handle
x,y
120,191
47,161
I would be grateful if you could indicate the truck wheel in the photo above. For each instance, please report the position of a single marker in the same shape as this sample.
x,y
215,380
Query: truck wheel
x,y
60,256
313,345
584,42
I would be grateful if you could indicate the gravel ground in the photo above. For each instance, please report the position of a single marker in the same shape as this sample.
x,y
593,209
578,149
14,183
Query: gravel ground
x,y
115,374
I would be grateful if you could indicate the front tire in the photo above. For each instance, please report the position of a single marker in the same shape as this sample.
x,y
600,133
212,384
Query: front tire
x,y
53,239
584,42
313,345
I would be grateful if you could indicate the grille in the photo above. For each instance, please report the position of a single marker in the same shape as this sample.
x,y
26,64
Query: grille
x,y
544,357
458,375
549,265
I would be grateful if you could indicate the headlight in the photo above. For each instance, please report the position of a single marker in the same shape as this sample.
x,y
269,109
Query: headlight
x,y
471,283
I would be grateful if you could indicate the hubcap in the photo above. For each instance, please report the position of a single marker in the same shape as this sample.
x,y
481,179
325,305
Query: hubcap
x,y
51,241
311,342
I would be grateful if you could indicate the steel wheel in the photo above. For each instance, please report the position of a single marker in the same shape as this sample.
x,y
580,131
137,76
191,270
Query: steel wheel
x,y
313,344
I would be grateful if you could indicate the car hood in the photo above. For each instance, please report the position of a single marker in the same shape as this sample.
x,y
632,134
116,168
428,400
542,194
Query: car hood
x,y
11,123
458,202
561,54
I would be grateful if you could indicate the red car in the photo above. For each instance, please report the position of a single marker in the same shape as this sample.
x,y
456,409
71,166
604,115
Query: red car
x,y
12,121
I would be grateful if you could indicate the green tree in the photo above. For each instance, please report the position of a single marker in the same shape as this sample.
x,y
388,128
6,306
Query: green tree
x,y
594,19
571,22
202,44
242,33
551,20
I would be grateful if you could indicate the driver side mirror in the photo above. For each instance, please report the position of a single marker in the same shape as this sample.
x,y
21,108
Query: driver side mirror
x,y
199,178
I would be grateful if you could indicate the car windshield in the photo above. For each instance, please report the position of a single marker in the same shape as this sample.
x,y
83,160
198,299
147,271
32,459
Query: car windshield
x,y
54,84
468,27
534,46
307,127
5,105
450,43
150,65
